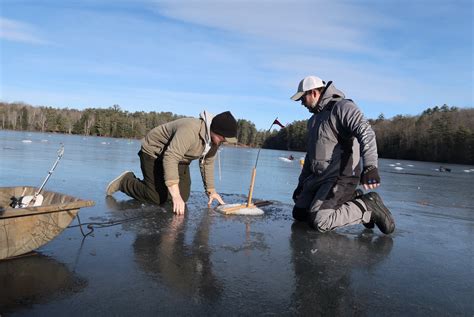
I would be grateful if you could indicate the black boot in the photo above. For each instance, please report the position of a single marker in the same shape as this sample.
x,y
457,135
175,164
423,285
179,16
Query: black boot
x,y
369,225
300,214
357,194
381,216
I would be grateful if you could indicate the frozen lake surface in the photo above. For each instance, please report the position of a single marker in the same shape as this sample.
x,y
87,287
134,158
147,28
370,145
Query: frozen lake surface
x,y
208,263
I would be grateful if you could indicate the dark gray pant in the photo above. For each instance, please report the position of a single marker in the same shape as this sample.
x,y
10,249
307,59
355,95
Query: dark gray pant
x,y
152,188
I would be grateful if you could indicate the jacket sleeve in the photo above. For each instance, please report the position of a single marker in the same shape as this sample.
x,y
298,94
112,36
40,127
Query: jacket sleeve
x,y
354,122
306,170
206,167
180,143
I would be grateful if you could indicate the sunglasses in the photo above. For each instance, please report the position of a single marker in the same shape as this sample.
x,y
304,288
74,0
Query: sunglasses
x,y
304,94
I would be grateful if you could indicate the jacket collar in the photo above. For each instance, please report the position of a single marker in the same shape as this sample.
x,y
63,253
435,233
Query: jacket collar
x,y
329,93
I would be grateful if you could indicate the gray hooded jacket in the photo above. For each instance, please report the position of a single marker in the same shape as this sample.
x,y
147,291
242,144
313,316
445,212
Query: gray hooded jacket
x,y
335,131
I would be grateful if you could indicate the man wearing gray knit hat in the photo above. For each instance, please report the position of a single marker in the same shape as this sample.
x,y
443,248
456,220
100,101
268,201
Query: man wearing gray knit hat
x,y
166,153
339,140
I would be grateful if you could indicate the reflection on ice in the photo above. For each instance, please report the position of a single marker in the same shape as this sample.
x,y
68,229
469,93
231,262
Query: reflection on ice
x,y
35,279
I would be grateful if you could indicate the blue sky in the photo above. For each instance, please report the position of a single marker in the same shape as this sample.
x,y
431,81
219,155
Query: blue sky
x,y
390,57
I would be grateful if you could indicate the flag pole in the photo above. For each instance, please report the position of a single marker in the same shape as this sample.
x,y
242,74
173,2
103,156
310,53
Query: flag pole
x,y
254,170
258,153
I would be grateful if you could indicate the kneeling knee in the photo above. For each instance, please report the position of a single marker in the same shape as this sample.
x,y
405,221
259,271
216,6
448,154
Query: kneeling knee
x,y
319,223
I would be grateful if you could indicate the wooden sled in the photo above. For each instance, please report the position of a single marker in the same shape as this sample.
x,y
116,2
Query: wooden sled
x,y
25,229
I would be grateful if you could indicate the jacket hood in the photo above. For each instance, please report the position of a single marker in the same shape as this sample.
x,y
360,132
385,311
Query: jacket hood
x,y
207,118
329,93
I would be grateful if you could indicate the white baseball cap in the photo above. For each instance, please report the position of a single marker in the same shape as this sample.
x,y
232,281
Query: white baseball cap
x,y
308,83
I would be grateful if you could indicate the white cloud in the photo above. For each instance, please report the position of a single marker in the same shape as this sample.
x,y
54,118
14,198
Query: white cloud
x,y
323,25
19,32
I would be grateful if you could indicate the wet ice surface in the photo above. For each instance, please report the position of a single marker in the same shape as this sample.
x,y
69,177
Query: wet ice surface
x,y
210,263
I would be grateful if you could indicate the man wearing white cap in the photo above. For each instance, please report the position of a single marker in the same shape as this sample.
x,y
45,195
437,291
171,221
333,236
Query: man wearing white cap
x,y
338,138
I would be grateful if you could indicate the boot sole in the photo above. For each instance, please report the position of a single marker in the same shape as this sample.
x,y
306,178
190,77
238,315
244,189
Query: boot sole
x,y
108,190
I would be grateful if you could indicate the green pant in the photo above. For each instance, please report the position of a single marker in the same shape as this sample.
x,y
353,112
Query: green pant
x,y
152,188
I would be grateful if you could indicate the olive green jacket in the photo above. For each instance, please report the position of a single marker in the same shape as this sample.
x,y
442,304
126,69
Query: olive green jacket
x,y
180,142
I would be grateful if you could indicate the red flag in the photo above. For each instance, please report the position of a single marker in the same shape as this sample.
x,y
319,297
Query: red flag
x,y
278,123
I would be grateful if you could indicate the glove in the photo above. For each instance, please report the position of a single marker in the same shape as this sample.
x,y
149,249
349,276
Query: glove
x,y
297,192
370,177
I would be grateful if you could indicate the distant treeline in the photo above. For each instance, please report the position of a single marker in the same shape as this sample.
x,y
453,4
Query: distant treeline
x,y
110,122
439,134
